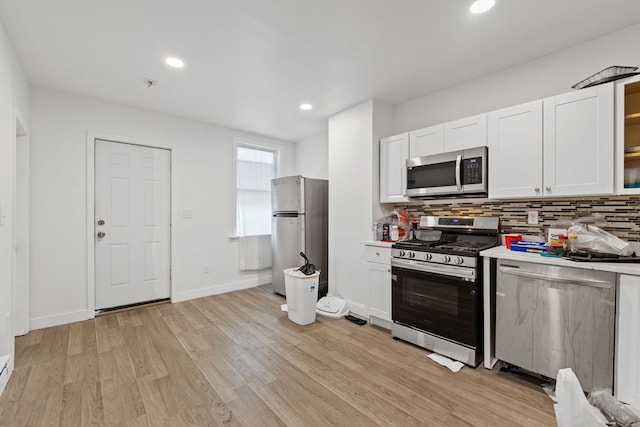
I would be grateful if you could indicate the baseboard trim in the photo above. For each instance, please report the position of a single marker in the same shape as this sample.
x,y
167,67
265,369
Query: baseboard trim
x,y
58,319
261,279
6,368
81,315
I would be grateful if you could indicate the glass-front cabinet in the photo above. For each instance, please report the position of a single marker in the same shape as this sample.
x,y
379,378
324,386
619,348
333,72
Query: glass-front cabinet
x,y
628,136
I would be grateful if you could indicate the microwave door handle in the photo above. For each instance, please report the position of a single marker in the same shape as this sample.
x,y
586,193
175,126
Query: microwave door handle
x,y
458,164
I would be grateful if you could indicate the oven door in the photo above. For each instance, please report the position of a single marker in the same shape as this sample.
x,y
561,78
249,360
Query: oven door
x,y
438,300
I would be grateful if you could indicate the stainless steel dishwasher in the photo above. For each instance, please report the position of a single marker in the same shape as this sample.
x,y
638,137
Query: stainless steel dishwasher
x,y
550,317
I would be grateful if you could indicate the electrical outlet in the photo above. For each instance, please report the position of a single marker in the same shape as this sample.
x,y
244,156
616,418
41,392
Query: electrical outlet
x,y
205,269
532,217
187,214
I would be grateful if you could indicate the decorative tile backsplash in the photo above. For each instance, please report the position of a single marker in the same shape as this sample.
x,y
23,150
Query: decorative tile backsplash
x,y
622,213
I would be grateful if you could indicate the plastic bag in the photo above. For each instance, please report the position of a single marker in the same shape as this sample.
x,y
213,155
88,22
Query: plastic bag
x,y
594,239
613,409
307,269
596,219
573,409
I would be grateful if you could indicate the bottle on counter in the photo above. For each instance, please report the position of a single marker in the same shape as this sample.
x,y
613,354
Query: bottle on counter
x,y
395,233
377,231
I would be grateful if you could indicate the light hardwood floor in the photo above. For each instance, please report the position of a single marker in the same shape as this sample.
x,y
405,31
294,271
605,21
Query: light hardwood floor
x,y
236,359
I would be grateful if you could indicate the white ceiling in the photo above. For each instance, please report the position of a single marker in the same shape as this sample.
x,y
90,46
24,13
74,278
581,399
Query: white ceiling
x,y
249,64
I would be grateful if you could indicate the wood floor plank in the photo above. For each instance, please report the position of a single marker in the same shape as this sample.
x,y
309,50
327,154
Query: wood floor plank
x,y
121,402
13,395
144,356
76,339
236,360
108,333
129,318
259,415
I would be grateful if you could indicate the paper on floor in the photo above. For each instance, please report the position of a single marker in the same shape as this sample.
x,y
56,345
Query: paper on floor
x,y
453,365
283,307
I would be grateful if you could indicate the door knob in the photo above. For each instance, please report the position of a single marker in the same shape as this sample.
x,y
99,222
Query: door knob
x,y
548,188
101,222
101,234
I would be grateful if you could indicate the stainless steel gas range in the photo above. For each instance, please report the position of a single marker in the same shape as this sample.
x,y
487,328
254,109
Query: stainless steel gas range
x,y
436,296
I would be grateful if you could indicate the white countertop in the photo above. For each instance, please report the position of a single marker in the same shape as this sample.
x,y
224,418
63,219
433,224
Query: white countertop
x,y
379,243
501,252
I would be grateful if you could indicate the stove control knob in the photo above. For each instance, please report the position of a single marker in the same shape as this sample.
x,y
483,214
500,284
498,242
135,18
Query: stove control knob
x,y
412,255
427,257
446,258
459,260
401,253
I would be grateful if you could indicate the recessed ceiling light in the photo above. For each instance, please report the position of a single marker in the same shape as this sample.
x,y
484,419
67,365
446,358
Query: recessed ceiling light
x,y
174,62
481,6
306,106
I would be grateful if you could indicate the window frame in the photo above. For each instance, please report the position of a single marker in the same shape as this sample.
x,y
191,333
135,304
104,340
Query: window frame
x,y
254,145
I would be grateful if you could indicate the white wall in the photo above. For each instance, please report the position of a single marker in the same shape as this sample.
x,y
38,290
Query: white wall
x,y
312,157
202,173
353,171
13,93
546,76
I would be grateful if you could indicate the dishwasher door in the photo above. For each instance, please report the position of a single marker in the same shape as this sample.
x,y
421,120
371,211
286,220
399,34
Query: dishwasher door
x,y
550,317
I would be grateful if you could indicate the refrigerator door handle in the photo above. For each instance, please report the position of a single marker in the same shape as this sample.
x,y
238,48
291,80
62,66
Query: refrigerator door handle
x,y
286,214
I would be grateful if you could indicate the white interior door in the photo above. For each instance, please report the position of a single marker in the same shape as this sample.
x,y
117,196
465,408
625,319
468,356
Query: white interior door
x,y
132,224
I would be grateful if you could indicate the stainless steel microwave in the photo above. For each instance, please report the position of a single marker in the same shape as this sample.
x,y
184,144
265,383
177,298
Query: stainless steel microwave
x,y
453,173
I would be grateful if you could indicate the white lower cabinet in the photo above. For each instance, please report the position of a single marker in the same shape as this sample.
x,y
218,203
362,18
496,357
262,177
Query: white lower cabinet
x,y
627,368
378,271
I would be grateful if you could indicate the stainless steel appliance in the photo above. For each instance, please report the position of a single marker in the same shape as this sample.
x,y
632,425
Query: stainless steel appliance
x,y
453,173
436,293
551,317
299,224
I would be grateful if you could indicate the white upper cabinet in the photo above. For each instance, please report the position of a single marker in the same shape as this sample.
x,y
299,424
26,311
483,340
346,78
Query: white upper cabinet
x,y
515,151
427,141
561,146
627,156
394,152
451,136
579,142
466,133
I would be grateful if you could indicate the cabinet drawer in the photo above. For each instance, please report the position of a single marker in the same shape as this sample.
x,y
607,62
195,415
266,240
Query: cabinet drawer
x,y
377,254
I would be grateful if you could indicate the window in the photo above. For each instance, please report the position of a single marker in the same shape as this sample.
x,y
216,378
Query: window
x,y
255,168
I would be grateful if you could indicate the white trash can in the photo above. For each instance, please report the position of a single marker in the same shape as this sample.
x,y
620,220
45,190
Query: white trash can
x,y
302,295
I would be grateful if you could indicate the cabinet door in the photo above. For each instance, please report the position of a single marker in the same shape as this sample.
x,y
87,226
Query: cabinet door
x,y
394,152
627,158
515,304
578,142
427,141
379,290
466,133
627,382
515,151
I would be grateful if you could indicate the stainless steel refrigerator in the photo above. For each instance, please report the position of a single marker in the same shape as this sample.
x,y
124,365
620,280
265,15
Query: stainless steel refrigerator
x,y
299,224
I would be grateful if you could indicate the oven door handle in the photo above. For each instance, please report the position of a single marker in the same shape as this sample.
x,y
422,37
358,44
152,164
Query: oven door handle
x,y
537,276
458,168
461,272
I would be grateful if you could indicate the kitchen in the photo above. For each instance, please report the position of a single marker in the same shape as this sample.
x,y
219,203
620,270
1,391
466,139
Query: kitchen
x,y
56,136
